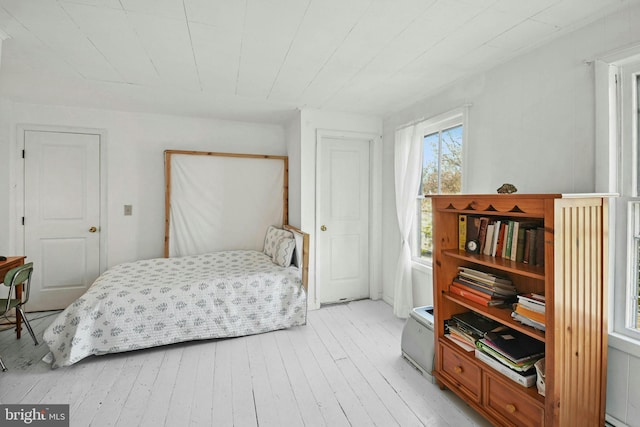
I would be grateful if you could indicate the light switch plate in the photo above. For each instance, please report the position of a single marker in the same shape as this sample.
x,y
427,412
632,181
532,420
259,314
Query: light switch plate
x,y
128,210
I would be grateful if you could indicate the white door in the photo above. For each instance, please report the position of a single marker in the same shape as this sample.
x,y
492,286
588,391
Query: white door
x,y
342,219
61,215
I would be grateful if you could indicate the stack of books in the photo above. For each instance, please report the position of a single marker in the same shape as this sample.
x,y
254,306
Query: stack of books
x,y
460,337
511,353
482,288
530,310
465,329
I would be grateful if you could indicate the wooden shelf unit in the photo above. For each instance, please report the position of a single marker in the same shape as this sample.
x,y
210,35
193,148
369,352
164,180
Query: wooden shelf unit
x,y
573,280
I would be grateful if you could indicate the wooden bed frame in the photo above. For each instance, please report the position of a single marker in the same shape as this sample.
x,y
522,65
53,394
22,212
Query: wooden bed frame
x,y
304,253
304,237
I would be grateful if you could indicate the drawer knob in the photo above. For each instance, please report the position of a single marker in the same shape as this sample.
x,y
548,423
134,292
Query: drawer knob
x,y
458,369
511,408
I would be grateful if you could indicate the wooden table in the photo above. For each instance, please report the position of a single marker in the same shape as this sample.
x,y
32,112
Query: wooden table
x,y
13,262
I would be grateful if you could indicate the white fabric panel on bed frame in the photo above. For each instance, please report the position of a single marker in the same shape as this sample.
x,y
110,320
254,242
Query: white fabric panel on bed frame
x,y
223,201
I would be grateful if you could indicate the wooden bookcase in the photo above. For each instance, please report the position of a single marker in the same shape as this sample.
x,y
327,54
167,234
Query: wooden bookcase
x,y
573,279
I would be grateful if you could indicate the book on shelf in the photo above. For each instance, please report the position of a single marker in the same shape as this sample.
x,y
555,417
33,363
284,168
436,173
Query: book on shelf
x,y
528,322
531,256
529,243
474,323
508,240
519,238
463,344
462,231
526,379
487,289
514,345
529,314
488,241
467,294
540,246
498,238
482,233
520,245
461,333
483,292
514,241
533,302
462,338
502,239
484,277
521,366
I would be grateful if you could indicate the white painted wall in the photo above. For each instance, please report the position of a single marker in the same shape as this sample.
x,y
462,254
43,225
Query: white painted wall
x,y
292,137
531,123
310,122
6,238
135,146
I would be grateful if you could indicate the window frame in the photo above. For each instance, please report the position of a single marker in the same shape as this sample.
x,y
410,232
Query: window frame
x,y
617,163
439,123
627,205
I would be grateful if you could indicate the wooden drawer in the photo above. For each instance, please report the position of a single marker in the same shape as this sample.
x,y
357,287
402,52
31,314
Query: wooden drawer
x,y
512,403
464,372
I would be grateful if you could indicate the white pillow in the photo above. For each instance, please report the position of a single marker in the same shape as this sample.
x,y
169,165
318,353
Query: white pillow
x,y
271,239
285,247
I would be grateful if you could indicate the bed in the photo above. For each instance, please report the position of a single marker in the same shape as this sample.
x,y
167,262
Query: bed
x,y
197,291
163,301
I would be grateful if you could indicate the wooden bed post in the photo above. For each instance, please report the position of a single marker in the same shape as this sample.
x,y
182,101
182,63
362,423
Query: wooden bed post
x,y
167,198
305,253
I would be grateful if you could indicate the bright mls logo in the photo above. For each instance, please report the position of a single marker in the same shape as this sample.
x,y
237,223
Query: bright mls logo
x,y
34,415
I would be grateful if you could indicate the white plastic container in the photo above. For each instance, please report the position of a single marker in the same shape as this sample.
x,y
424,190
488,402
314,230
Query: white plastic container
x,y
418,341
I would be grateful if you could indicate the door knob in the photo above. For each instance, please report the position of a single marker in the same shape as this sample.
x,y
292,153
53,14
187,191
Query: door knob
x,y
93,230
323,228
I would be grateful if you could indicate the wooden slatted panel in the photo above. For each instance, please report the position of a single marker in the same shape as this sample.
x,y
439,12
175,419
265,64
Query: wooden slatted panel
x,y
580,348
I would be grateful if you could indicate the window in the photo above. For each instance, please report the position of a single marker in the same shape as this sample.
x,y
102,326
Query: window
x,y
633,291
442,161
630,77
622,176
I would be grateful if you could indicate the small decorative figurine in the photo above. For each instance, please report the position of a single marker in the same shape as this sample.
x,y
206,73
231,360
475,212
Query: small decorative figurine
x,y
507,189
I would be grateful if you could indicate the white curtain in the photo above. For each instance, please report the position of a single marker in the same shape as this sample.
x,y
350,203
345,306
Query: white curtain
x,y
407,159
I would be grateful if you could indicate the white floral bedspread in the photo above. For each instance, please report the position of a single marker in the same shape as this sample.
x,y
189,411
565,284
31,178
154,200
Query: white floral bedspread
x,y
167,300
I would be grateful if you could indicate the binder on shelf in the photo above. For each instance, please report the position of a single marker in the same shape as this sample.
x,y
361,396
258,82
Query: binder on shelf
x,y
462,232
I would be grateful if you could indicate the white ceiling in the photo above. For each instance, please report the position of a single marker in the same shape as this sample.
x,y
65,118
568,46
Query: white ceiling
x,y
259,60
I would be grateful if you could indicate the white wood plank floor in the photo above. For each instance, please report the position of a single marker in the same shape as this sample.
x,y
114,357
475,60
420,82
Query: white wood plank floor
x,y
344,368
